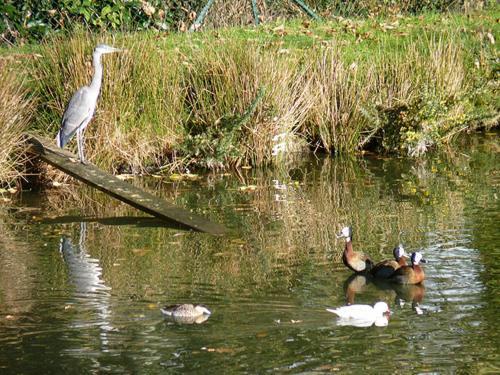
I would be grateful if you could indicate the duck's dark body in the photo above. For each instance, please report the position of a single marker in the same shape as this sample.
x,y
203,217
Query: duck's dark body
x,y
386,268
408,275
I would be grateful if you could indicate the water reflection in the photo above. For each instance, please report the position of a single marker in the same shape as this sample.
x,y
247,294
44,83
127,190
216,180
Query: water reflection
x,y
355,285
90,290
282,263
18,280
381,321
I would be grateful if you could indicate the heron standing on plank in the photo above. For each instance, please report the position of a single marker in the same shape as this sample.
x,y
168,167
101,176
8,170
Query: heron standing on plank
x,y
82,105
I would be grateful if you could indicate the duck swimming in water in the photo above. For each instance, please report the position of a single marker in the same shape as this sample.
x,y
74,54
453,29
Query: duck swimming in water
x,y
187,313
356,261
386,268
413,274
362,315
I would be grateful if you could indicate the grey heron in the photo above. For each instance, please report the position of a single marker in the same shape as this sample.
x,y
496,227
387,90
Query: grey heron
x,y
82,105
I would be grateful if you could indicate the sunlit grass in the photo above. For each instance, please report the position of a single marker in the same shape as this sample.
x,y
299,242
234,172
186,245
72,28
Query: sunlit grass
x,y
392,84
15,113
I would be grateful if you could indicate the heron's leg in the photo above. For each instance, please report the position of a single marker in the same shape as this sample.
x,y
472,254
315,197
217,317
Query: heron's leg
x,y
79,141
82,146
83,236
78,144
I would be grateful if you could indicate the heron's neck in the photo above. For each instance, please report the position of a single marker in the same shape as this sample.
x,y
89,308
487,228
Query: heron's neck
x,y
97,79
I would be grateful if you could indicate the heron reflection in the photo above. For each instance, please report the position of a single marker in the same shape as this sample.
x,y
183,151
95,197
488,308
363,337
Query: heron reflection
x,y
90,290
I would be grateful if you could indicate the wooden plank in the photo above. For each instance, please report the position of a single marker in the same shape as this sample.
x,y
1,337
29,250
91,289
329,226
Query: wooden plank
x,y
111,185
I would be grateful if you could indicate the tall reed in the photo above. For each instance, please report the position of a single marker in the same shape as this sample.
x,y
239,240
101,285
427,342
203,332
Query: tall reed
x,y
139,111
15,113
238,96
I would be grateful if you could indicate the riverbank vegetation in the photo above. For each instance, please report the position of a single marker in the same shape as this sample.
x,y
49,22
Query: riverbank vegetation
x,y
22,22
15,112
248,96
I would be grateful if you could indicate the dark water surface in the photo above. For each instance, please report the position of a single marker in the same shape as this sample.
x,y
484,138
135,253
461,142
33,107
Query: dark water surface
x,y
85,298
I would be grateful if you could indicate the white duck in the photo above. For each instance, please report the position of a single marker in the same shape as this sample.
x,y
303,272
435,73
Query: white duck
x,y
363,315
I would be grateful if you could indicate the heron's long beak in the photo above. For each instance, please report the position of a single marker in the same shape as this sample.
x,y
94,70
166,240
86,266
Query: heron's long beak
x,y
110,49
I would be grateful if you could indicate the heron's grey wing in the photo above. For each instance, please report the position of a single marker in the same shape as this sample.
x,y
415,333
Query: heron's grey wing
x,y
76,115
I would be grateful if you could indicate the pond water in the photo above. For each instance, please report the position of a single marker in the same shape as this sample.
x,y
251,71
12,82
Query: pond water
x,y
83,278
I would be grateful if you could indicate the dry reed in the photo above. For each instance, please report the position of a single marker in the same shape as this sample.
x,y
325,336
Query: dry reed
x,y
179,101
15,112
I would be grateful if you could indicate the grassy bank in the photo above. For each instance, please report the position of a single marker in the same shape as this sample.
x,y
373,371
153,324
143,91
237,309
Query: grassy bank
x,y
240,96
15,113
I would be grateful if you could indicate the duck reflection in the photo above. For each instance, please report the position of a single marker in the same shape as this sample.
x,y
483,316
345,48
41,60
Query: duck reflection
x,y
358,284
413,294
354,284
85,274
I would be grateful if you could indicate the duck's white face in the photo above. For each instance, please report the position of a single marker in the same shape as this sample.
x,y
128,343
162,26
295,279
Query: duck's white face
x,y
345,232
399,251
416,258
202,310
382,308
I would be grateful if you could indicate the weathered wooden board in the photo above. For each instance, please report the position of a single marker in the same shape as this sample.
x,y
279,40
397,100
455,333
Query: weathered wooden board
x,y
111,185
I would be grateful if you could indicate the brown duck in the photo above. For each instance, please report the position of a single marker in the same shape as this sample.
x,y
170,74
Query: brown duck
x,y
413,274
356,261
386,268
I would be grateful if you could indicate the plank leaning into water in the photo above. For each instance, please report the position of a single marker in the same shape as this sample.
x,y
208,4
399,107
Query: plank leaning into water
x,y
111,185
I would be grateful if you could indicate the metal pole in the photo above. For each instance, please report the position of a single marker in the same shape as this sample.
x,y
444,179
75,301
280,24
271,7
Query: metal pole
x,y
306,9
201,17
255,10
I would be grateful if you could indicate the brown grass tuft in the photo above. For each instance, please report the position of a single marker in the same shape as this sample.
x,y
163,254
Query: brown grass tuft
x,y
15,112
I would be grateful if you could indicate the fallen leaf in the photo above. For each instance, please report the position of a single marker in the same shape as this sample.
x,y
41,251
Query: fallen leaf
x,y
279,28
248,188
220,350
491,38
175,177
140,252
191,176
124,177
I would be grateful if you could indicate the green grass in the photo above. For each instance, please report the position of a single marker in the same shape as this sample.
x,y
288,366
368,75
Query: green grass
x,y
395,84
